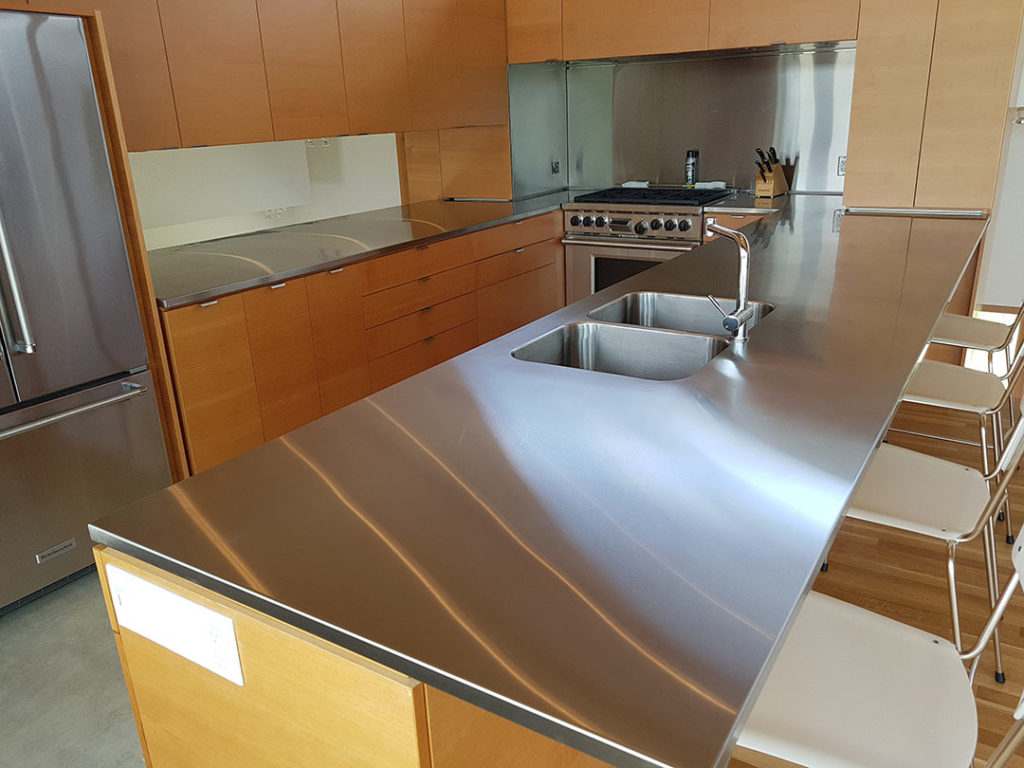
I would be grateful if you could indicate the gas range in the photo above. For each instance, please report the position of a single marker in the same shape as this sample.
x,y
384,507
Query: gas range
x,y
641,213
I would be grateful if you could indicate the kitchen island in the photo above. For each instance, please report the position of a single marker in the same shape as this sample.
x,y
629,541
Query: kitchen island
x,y
607,560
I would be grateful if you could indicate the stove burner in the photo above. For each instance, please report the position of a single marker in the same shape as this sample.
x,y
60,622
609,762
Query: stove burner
x,y
654,196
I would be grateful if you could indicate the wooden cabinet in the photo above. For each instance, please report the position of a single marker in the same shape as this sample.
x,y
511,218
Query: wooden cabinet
x,y
281,341
411,297
137,58
595,29
483,63
968,95
336,314
376,70
214,378
429,321
745,23
432,45
305,79
431,351
422,261
534,30
217,71
476,162
894,53
515,301
419,161
495,240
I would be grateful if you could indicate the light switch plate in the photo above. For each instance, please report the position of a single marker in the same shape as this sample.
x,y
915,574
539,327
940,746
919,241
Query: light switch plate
x,y
184,627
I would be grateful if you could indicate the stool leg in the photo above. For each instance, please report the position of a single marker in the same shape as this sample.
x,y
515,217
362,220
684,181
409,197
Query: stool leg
x,y
992,570
954,604
1004,510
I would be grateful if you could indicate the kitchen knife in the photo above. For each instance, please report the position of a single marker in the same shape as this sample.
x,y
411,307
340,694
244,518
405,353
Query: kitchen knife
x,y
774,155
764,159
760,170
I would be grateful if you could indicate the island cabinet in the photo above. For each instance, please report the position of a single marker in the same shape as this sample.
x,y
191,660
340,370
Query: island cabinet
x,y
299,700
748,23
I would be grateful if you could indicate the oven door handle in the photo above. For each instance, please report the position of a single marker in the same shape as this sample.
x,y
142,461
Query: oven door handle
x,y
639,245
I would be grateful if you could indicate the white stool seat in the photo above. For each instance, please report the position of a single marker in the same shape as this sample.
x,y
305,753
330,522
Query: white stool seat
x,y
970,332
851,689
950,386
914,492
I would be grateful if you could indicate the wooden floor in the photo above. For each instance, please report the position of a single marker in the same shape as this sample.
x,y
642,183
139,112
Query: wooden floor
x,y
902,576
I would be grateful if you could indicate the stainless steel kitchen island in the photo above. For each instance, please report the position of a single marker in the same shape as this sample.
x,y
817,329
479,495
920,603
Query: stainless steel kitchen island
x,y
611,561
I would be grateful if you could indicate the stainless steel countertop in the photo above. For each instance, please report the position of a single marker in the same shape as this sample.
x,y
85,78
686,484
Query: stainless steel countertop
x,y
189,274
610,561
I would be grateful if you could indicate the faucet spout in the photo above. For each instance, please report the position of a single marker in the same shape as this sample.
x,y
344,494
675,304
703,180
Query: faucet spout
x,y
735,321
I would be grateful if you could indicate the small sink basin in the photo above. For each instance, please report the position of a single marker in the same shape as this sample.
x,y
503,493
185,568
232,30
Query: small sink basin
x,y
643,353
674,311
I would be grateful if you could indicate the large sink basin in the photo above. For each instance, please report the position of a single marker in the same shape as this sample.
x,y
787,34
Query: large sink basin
x,y
674,311
643,353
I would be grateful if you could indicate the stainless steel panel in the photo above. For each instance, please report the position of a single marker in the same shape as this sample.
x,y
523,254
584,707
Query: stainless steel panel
x,y
63,228
580,258
536,94
66,463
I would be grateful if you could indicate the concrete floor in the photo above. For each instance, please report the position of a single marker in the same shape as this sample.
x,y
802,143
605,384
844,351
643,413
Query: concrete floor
x,y
63,702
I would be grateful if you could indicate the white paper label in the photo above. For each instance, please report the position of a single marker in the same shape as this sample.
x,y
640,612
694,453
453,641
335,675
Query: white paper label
x,y
182,626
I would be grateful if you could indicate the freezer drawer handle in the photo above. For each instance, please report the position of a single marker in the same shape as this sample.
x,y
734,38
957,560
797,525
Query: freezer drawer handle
x,y
26,345
130,391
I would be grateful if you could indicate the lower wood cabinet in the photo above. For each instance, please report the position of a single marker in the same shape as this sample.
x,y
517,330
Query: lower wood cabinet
x,y
519,287
424,354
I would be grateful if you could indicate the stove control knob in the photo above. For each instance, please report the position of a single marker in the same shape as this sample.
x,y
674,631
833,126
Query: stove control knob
x,y
600,221
656,224
575,221
640,228
670,225
588,221
685,225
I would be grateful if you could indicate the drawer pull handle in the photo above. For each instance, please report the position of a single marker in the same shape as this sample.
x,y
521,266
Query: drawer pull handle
x,y
518,223
422,247
275,286
428,339
336,271
520,250
210,303
427,309
425,279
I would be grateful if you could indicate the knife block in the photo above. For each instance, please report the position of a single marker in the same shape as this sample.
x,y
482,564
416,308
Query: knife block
x,y
775,183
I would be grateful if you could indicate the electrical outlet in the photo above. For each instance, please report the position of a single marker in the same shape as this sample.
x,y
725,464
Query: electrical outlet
x,y
269,213
837,218
555,167
841,168
279,213
325,142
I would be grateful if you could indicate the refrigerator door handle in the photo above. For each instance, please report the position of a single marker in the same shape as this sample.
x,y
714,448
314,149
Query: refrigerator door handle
x,y
130,390
26,344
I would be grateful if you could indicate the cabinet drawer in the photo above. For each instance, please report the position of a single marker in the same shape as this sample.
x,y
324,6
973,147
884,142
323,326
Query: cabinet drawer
x,y
517,262
429,321
507,237
411,297
733,221
417,357
405,266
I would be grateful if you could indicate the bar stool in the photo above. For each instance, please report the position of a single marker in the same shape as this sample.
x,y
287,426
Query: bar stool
x,y
942,500
974,333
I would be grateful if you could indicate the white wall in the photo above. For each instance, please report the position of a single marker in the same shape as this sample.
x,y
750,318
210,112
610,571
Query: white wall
x,y
189,195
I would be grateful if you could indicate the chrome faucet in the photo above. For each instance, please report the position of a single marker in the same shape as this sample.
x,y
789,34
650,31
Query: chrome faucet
x,y
736,321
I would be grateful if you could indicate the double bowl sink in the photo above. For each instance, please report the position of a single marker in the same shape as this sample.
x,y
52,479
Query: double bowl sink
x,y
646,335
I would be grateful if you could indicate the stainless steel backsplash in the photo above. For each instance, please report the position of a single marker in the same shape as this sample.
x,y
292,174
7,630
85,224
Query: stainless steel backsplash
x,y
634,120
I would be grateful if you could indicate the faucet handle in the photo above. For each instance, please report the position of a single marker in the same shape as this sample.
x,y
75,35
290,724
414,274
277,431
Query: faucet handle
x,y
718,306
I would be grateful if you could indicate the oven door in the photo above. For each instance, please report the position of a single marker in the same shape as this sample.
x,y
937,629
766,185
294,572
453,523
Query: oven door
x,y
591,265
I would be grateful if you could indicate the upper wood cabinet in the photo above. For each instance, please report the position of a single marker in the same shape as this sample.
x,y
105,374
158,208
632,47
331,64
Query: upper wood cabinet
x,y
744,23
376,69
137,58
595,29
476,162
432,45
216,62
534,30
305,78
483,64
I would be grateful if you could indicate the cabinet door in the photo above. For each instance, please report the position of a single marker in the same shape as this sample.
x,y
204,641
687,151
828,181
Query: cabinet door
x,y
534,30
518,261
336,312
743,23
216,62
302,49
214,379
483,64
894,57
281,340
476,162
431,351
596,29
968,95
434,61
376,70
136,46
505,306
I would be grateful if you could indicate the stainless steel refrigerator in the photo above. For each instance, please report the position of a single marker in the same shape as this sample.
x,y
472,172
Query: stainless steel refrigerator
x,y
80,432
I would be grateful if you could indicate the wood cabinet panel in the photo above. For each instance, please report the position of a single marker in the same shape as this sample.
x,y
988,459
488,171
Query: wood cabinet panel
x,y
339,341
415,358
594,29
411,297
894,52
476,162
968,96
305,78
305,702
517,262
281,341
534,30
213,374
495,240
420,166
743,23
137,57
505,306
483,63
389,337
376,69
217,73
432,46
405,266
